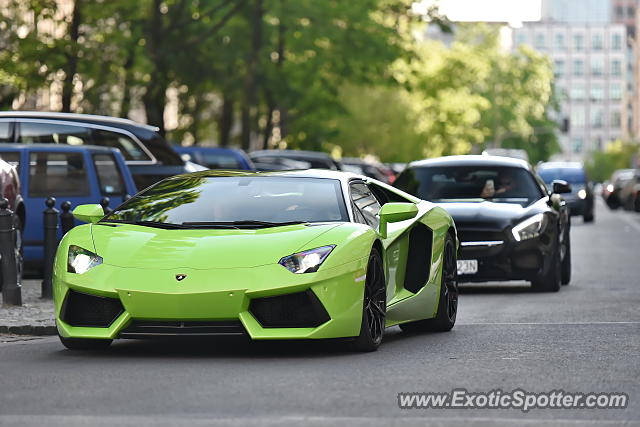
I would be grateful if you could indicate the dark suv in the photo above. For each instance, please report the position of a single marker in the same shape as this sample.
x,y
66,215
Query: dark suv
x,y
147,154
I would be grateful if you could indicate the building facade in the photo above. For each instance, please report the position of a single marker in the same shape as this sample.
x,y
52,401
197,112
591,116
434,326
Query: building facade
x,y
590,67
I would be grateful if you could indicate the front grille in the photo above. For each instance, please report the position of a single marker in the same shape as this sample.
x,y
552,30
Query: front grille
x,y
152,328
479,235
299,310
80,309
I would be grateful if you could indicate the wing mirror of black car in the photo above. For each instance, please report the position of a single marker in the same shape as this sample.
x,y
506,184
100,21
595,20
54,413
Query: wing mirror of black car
x,y
559,186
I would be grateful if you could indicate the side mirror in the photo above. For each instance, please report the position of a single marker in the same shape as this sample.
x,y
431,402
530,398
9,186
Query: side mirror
x,y
88,213
559,186
395,212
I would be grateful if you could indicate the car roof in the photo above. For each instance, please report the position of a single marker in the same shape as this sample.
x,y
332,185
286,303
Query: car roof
x,y
193,148
57,147
471,160
291,153
89,118
561,165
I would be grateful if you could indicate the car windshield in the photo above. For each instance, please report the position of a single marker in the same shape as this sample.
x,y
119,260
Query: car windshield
x,y
571,175
252,201
470,183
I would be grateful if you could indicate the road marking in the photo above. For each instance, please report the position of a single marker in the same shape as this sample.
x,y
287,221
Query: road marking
x,y
547,323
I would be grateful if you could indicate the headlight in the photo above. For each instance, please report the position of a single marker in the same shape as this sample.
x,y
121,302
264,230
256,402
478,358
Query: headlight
x,y
582,194
530,228
81,260
307,261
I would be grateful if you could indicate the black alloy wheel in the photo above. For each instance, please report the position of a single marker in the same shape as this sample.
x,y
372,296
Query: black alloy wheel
x,y
374,306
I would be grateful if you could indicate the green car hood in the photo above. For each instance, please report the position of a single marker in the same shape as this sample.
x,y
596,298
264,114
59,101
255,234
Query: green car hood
x,y
154,248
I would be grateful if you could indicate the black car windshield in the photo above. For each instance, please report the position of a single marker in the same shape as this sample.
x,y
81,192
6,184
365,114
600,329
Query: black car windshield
x,y
571,175
254,201
470,183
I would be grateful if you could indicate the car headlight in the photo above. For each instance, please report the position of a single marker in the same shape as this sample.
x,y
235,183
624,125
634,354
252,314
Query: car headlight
x,y
80,260
306,261
582,194
530,228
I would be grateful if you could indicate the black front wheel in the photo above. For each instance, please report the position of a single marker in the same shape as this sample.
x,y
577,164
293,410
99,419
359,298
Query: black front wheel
x,y
445,317
374,306
550,281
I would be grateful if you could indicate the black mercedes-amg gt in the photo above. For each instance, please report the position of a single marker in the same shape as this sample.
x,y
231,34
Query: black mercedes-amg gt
x,y
510,226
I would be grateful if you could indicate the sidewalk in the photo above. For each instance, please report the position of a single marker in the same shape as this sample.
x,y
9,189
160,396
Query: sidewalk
x,y
35,317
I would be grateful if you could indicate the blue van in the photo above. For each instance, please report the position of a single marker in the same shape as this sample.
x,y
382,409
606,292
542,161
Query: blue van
x,y
79,174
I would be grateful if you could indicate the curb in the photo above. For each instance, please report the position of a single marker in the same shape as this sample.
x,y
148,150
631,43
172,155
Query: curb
x,y
37,330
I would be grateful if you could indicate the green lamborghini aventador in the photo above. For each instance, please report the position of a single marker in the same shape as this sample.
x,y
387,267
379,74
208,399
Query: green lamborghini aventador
x,y
279,255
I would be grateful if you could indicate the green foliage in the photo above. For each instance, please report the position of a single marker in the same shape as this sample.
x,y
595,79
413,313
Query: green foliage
x,y
334,75
618,155
454,100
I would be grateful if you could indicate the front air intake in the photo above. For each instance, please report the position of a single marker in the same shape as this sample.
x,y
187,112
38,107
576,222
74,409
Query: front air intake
x,y
299,310
80,309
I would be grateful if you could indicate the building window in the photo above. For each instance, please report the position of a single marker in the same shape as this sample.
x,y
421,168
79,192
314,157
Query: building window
x,y
597,93
577,118
597,67
521,38
616,119
576,144
597,42
616,42
578,42
616,67
597,118
540,42
558,67
578,67
615,92
559,41
619,12
577,93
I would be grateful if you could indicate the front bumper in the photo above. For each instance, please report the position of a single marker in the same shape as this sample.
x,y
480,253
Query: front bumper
x,y
210,298
503,258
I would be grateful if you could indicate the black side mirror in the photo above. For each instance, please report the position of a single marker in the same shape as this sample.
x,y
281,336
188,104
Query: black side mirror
x,y
559,186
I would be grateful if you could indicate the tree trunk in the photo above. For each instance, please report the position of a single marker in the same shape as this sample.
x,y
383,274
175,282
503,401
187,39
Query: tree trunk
x,y
125,104
155,98
225,122
71,55
250,102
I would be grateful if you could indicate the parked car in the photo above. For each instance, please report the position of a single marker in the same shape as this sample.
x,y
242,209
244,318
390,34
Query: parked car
x,y
148,155
629,195
510,227
316,159
581,199
10,189
268,164
371,169
611,189
216,157
79,174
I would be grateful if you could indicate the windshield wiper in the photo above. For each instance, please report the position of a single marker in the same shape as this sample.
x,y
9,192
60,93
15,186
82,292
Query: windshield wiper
x,y
247,223
156,224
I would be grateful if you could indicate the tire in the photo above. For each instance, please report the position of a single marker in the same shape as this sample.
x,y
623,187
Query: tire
x,y
374,306
550,281
636,203
84,343
565,274
445,317
588,217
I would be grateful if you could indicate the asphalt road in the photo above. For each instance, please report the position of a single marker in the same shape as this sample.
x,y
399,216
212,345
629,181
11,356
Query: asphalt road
x,y
586,338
